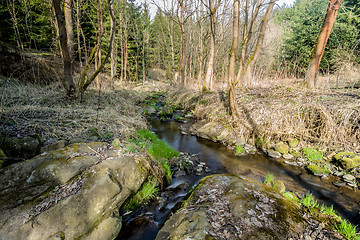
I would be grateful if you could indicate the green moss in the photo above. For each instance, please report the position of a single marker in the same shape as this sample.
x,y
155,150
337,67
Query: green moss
x,y
318,170
309,201
282,148
312,155
350,162
340,155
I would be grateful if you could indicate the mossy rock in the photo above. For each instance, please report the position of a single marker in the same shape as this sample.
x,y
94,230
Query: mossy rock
x,y
293,143
350,162
341,155
26,147
317,170
246,209
281,147
98,189
2,154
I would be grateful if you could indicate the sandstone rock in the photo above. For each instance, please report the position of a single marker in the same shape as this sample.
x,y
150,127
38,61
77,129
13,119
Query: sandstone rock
x,y
53,146
214,131
230,207
273,153
70,193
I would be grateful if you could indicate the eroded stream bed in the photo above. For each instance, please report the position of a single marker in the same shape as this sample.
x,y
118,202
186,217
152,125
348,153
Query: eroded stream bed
x,y
145,222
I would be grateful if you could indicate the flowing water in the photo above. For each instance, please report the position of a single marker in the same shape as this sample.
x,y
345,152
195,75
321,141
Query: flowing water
x,y
146,222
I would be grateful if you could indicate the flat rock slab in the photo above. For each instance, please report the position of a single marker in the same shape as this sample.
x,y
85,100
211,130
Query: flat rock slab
x,y
230,207
71,193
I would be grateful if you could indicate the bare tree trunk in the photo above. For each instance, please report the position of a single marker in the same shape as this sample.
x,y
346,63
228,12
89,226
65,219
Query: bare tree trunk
x,y
247,34
210,68
320,44
68,13
182,28
68,78
12,12
254,57
233,50
171,32
98,57
78,30
84,84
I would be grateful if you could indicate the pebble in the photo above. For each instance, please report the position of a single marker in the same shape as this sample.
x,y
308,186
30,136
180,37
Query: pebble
x,y
349,178
288,156
296,164
274,154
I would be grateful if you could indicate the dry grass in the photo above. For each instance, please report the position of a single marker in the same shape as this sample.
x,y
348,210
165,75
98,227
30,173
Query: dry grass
x,y
27,109
329,118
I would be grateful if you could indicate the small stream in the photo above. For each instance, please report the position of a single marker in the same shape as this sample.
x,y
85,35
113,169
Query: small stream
x,y
145,222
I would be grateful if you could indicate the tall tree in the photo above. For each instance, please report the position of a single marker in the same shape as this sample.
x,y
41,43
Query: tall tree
x,y
320,44
68,81
68,13
254,57
210,69
233,51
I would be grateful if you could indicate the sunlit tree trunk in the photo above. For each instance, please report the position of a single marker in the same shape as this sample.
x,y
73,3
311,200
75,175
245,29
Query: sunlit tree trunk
x,y
210,67
233,51
320,44
68,78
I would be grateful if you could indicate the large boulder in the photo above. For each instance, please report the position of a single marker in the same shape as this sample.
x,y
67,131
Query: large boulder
x,y
26,147
71,193
230,207
214,131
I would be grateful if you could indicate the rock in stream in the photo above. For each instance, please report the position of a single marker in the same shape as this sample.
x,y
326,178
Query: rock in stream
x,y
230,207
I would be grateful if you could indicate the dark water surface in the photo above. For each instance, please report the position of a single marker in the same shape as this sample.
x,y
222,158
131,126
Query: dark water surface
x,y
144,224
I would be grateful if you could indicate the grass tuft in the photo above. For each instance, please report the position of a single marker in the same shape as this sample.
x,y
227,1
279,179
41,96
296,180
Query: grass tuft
x,y
269,178
239,150
312,155
147,191
348,230
160,149
309,201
